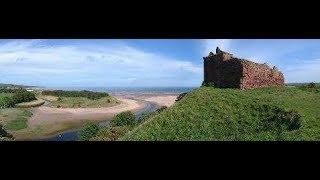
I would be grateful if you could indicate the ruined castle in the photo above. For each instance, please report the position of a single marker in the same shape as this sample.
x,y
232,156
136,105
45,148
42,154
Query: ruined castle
x,y
226,71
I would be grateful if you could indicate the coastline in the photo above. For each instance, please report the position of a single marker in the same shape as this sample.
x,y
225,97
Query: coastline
x,y
53,121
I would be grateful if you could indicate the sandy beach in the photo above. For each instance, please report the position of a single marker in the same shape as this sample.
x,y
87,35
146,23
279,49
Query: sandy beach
x,y
46,115
164,100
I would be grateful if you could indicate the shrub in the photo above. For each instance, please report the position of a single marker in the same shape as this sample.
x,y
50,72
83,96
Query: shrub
x,y
23,97
278,121
111,133
4,133
88,131
207,84
181,96
312,85
284,120
126,118
162,108
6,102
146,115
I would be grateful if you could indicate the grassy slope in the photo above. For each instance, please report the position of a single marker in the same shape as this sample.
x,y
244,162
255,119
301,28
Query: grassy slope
x,y
231,114
77,102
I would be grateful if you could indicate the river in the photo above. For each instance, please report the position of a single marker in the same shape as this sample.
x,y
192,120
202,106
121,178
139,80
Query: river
x,y
73,134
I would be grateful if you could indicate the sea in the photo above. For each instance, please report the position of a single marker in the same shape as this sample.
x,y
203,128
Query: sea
x,y
128,90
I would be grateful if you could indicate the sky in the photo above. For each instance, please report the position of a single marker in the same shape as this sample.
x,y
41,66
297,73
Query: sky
x,y
144,62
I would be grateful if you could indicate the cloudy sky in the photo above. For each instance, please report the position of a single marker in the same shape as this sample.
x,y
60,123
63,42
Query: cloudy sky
x,y
138,63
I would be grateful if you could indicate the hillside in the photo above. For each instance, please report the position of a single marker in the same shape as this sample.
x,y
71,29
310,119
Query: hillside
x,y
231,114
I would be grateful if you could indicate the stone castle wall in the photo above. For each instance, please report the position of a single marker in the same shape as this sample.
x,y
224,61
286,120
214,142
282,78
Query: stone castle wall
x,y
226,71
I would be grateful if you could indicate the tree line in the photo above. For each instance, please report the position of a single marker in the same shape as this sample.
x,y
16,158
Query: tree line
x,y
18,97
87,94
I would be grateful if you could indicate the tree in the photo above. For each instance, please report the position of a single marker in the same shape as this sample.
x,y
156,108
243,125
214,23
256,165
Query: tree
x,y
88,131
126,118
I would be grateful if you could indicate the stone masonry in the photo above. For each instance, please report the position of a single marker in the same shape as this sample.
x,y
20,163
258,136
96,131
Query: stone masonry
x,y
226,71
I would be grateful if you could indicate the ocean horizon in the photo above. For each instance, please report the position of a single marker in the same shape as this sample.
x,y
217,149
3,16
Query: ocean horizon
x,y
128,90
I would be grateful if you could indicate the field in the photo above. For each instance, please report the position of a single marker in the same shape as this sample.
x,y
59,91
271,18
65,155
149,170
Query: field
x,y
230,114
82,102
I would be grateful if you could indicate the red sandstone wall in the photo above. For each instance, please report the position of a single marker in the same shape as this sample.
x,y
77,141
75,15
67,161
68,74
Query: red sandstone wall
x,y
226,71
260,75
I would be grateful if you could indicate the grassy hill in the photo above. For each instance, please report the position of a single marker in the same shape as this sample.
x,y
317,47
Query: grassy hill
x,y
231,114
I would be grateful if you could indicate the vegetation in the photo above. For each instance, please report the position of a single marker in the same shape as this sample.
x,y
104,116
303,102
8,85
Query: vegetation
x,y
82,102
10,97
4,133
233,114
126,118
34,103
162,108
111,133
14,118
182,95
6,100
88,131
87,94
122,124
311,87
207,84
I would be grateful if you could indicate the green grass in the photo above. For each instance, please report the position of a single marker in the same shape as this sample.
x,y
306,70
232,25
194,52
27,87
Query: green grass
x,y
231,114
82,102
14,119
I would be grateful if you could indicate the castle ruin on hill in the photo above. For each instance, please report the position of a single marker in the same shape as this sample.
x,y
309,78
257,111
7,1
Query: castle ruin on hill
x,y
226,71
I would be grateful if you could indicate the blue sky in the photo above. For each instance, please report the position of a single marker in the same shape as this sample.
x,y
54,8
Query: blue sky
x,y
144,62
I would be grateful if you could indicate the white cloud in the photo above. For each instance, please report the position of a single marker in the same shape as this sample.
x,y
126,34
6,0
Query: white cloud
x,y
305,71
90,63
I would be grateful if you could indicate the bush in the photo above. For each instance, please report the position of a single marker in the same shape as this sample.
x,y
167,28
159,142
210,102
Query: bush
x,y
111,133
207,84
282,120
312,85
279,121
6,102
126,118
162,108
4,133
88,131
23,97
146,115
18,97
181,96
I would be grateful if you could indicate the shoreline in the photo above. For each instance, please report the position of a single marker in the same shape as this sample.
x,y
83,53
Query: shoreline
x,y
52,121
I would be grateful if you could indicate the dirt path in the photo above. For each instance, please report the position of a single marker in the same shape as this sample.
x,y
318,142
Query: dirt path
x,y
46,115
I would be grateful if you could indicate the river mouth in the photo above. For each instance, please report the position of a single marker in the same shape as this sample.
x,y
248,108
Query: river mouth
x,y
72,135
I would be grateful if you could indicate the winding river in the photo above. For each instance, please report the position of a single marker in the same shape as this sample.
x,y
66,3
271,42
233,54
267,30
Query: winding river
x,y
72,135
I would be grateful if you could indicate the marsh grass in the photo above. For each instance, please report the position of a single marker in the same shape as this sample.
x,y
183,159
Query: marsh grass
x,y
82,102
15,119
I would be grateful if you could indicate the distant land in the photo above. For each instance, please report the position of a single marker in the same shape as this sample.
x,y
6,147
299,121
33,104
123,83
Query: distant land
x,y
2,85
